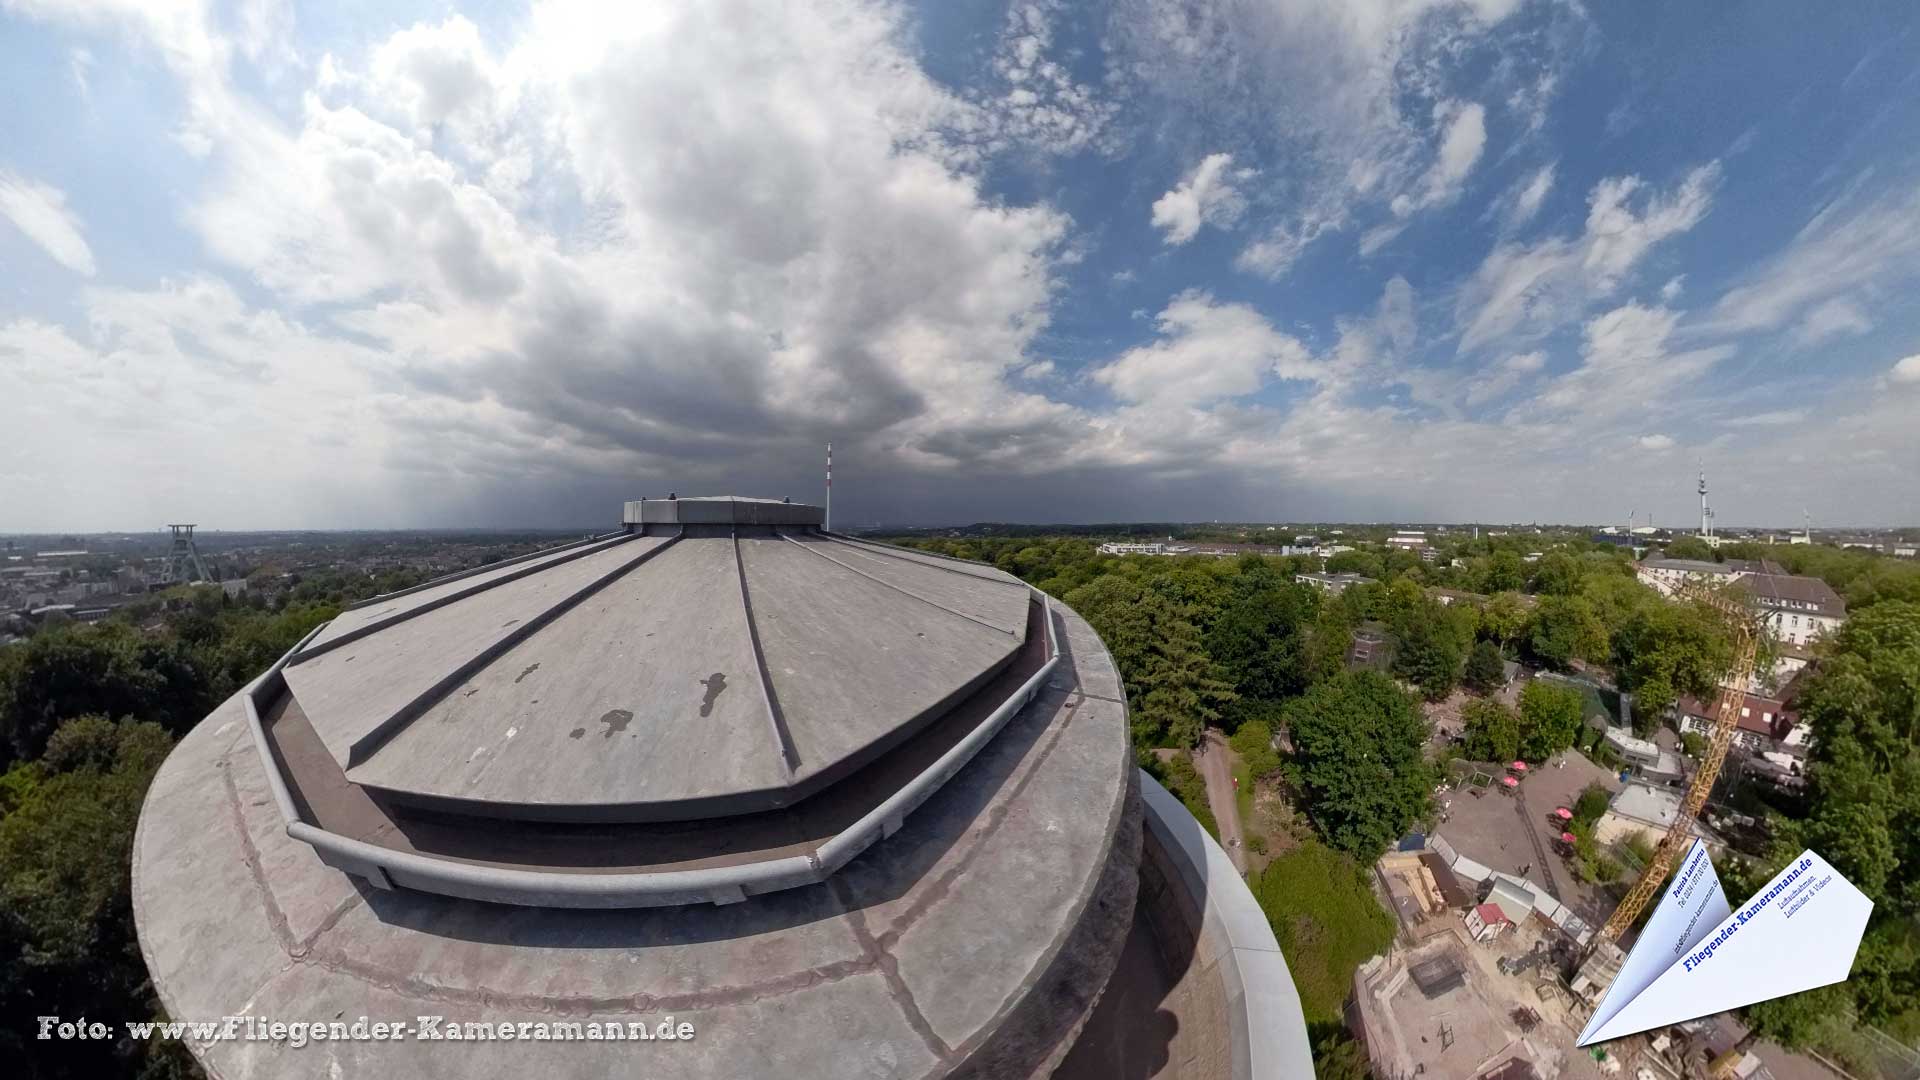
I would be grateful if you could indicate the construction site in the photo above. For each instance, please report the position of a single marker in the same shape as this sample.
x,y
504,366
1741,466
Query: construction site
x,y
1493,976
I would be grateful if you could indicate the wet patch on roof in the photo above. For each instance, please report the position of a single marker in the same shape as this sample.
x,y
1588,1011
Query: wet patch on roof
x,y
714,683
616,721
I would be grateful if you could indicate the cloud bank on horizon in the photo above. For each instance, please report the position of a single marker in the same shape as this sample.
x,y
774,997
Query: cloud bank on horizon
x,y
274,266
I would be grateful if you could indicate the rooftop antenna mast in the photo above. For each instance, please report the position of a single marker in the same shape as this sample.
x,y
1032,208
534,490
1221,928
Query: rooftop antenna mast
x,y
1808,531
183,559
1706,512
829,513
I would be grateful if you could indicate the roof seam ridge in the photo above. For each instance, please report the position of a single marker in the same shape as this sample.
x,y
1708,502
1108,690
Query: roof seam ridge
x,y
776,718
879,549
368,744
358,632
458,574
895,588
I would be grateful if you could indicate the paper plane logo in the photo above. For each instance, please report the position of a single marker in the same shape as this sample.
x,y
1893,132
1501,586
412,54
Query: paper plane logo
x,y
1698,956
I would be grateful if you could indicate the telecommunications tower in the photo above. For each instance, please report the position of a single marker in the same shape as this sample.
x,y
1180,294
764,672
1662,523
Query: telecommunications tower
x,y
1706,512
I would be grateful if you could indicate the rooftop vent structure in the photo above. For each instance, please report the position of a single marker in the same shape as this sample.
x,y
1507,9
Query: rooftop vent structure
x,y
719,699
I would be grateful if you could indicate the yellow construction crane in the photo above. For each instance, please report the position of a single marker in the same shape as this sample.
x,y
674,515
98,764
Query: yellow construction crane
x,y
1746,642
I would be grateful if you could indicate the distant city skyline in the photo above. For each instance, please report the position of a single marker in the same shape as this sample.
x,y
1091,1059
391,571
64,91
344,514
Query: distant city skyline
x,y
267,266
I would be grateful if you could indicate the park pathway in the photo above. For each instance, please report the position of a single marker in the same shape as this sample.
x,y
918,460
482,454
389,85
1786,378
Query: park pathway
x,y
1216,767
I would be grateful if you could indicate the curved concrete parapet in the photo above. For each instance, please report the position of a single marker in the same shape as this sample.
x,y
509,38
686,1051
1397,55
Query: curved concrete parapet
x,y
1233,944
971,942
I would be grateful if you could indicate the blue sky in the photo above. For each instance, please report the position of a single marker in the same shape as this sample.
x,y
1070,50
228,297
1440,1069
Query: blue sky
x,y
1503,260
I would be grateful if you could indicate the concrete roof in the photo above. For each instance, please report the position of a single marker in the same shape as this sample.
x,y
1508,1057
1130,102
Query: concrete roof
x,y
653,676
1648,804
1691,566
972,940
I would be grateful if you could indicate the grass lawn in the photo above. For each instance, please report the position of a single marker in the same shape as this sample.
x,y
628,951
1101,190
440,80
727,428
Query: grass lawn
x,y
1327,920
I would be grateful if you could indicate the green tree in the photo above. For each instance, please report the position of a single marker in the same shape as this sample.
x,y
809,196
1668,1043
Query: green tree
x,y
1564,629
1504,573
1359,761
1486,668
1558,573
1666,650
1691,547
1174,688
1550,718
1357,562
66,921
1254,743
1590,805
1426,654
1504,617
1492,731
1259,639
109,669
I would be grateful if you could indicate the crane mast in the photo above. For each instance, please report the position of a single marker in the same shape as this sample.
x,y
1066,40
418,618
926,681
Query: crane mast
x,y
1679,834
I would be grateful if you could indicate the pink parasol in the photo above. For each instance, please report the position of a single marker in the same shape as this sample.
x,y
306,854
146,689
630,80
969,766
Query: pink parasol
x,y
1563,813
1509,781
1518,766
1569,837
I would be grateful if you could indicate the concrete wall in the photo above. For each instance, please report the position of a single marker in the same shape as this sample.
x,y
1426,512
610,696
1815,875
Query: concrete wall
x,y
1267,1029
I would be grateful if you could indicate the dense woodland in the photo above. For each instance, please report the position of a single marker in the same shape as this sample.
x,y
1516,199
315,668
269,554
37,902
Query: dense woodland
x,y
88,712
1235,643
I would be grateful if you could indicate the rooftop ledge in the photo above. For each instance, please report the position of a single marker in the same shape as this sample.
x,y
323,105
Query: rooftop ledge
x,y
721,861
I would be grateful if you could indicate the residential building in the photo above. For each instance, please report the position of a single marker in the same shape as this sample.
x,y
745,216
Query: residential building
x,y
1667,575
1797,609
1766,723
1332,584
1133,549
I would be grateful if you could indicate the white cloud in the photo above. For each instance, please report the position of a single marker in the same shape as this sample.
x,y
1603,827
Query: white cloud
x,y
1365,102
1672,289
1655,442
1207,351
1906,371
1040,104
1206,196
1626,365
1496,381
1859,242
1832,319
1527,196
1618,234
79,65
699,232
1465,127
40,211
1526,290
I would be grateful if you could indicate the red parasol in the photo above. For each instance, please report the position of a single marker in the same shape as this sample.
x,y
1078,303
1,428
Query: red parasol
x,y
1569,837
